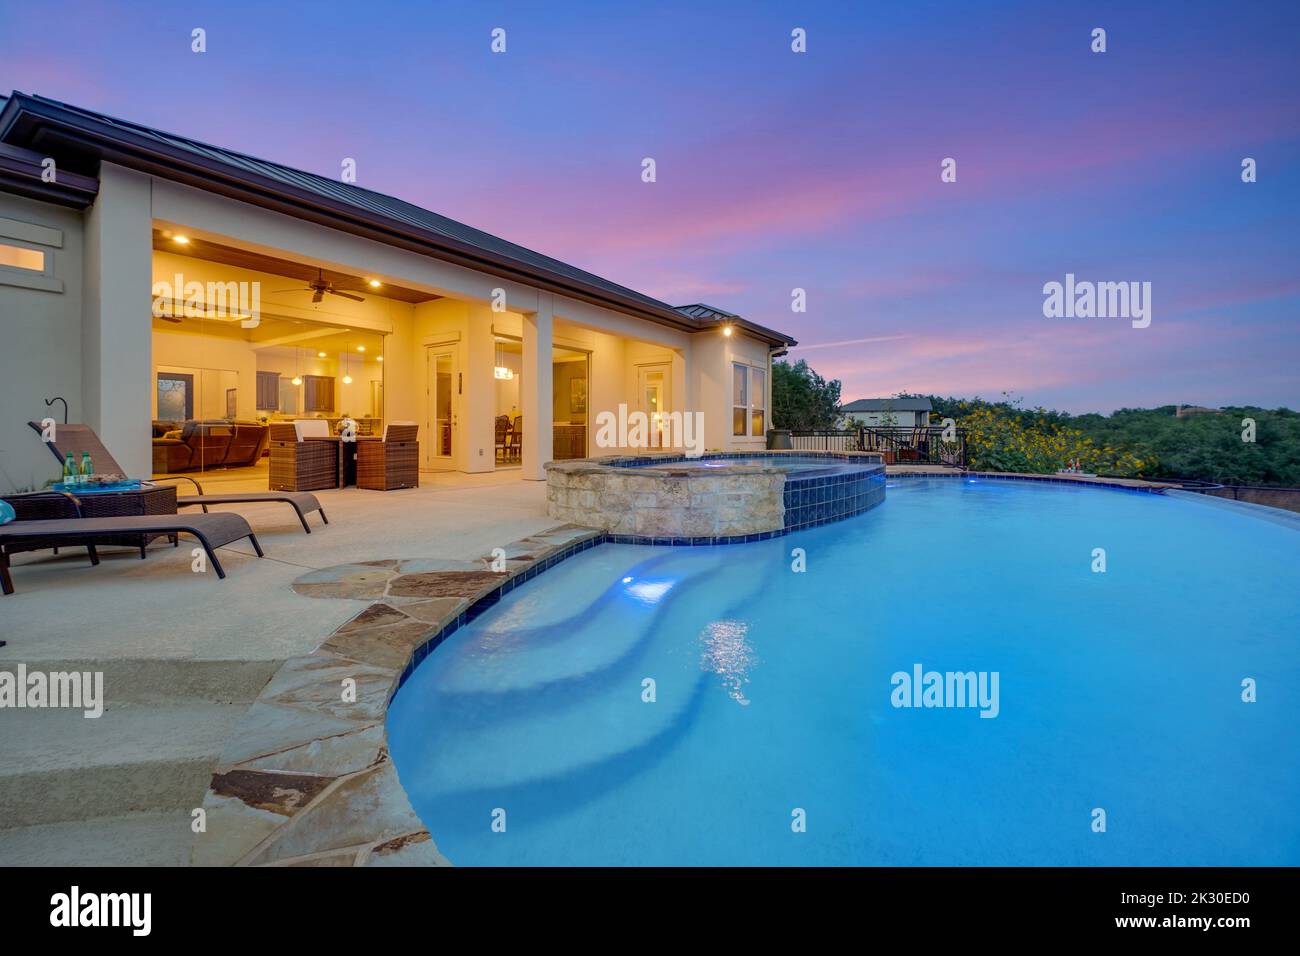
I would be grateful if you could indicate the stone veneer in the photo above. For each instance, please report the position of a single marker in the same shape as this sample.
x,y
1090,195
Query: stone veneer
x,y
737,502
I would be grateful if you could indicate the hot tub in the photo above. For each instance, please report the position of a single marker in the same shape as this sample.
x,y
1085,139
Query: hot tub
x,y
717,499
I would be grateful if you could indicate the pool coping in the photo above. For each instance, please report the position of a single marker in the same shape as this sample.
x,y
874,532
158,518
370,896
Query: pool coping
x,y
306,778
1277,516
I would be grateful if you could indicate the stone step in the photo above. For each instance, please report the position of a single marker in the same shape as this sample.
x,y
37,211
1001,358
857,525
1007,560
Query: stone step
x,y
57,765
159,838
166,680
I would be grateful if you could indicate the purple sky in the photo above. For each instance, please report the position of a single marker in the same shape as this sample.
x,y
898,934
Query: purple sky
x,y
779,170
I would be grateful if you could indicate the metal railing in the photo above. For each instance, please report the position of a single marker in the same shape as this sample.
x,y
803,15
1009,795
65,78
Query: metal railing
x,y
826,440
932,445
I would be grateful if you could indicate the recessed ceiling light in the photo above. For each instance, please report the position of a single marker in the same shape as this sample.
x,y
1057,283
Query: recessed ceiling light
x,y
320,354
379,358
726,330
361,348
181,240
375,283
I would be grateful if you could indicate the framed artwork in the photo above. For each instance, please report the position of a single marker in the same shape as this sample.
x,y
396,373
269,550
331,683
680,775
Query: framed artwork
x,y
578,395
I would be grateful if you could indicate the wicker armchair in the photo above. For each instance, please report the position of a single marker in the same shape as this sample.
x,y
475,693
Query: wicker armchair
x,y
391,463
298,465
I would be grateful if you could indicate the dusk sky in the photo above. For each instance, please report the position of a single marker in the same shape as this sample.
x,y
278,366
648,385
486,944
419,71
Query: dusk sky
x,y
778,170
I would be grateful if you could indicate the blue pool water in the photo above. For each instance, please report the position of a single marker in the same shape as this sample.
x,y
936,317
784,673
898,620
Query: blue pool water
x,y
1118,690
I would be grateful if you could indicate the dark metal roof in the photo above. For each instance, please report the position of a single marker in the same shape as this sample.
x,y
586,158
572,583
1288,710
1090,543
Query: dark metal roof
x,y
713,316
888,405
701,311
41,123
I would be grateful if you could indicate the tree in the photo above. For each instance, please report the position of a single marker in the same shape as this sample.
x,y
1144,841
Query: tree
x,y
802,399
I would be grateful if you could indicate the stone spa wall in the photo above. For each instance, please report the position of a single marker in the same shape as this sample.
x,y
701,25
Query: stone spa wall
x,y
742,501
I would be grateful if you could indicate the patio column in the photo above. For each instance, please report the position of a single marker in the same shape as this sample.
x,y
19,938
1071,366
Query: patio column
x,y
116,330
536,400
478,403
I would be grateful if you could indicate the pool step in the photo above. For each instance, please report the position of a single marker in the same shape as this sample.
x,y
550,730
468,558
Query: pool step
x,y
57,765
449,746
524,647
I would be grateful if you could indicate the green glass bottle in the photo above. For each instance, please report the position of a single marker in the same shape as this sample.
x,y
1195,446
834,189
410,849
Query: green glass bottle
x,y
69,469
87,467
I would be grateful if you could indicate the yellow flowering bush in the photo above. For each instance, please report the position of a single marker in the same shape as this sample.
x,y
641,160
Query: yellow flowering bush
x,y
999,438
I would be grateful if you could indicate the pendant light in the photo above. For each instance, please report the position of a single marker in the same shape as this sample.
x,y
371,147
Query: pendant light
x,y
297,379
347,379
501,370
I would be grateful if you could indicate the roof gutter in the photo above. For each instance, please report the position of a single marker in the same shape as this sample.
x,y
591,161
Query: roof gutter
x,y
22,172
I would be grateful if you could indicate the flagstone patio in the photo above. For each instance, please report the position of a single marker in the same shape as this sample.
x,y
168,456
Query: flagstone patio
x,y
306,778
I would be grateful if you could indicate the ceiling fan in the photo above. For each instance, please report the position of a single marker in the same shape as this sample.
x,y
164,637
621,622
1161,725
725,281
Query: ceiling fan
x,y
320,287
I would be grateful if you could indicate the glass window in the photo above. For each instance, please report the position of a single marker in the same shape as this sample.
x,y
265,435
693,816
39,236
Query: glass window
x,y
739,399
17,257
758,407
175,397
288,397
738,386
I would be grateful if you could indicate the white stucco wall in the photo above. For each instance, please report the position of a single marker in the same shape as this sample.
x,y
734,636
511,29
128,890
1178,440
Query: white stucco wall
x,y
40,350
899,419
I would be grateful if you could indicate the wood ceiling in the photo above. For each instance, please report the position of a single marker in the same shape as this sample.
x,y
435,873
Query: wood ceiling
x,y
243,259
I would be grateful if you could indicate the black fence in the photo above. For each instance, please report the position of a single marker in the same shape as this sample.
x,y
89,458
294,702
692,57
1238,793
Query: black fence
x,y
933,445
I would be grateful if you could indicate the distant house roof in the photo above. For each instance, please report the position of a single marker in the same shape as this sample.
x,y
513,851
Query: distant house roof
x,y
52,127
888,405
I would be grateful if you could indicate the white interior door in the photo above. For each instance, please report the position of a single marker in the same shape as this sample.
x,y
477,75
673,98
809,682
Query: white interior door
x,y
440,416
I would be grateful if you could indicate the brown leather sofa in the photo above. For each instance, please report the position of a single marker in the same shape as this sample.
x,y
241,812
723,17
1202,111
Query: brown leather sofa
x,y
207,444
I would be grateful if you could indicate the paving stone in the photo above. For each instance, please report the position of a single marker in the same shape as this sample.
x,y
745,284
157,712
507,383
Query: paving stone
x,y
410,849
370,807
444,583
345,581
435,610
388,646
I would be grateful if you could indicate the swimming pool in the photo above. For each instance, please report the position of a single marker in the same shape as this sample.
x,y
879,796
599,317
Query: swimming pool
x,y
774,693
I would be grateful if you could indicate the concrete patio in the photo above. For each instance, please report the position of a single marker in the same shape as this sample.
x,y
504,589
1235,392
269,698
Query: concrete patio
x,y
184,654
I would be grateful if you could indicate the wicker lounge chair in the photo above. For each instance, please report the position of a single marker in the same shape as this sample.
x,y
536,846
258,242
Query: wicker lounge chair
x,y
78,438
212,531
391,463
